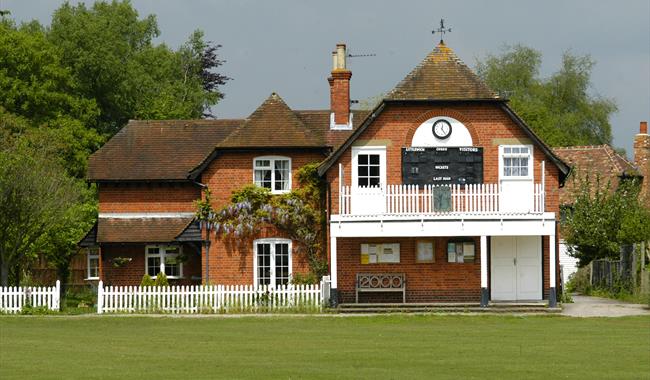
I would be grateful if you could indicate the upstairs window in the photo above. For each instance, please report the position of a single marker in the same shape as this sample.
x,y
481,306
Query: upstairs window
x,y
516,161
368,167
368,170
273,173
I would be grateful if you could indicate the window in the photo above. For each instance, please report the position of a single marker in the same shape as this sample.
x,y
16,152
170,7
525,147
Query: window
x,y
516,161
368,170
368,166
93,264
460,252
164,258
272,261
273,173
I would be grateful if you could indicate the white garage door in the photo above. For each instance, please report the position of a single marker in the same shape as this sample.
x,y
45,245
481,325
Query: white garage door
x,y
516,270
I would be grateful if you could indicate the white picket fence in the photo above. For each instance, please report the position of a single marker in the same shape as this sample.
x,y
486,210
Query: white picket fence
x,y
14,298
211,298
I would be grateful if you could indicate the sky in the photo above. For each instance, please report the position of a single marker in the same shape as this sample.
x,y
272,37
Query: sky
x,y
285,46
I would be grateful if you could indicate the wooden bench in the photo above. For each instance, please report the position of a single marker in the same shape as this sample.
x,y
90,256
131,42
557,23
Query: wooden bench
x,y
381,282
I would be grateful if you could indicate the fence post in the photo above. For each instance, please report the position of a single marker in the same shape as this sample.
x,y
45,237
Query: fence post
x,y
57,296
100,297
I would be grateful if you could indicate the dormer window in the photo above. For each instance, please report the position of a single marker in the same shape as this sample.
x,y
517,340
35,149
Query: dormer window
x,y
273,173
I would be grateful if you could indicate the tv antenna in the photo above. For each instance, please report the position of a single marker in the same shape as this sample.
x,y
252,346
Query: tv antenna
x,y
441,30
350,55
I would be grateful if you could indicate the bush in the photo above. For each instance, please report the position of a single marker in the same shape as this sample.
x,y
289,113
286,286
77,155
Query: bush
x,y
147,280
579,282
304,279
161,280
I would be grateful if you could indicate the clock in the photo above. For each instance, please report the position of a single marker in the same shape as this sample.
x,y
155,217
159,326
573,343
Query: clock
x,y
441,129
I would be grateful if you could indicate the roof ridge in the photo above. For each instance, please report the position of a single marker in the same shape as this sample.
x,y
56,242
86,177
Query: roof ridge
x,y
441,75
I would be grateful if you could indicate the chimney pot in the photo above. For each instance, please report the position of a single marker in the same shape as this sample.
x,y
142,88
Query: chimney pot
x,y
643,127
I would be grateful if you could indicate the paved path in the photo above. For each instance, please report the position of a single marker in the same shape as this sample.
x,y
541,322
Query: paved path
x,y
586,306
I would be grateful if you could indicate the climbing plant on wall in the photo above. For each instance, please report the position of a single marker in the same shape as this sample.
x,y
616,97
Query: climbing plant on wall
x,y
299,214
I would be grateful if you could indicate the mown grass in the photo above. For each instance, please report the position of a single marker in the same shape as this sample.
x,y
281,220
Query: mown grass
x,y
327,347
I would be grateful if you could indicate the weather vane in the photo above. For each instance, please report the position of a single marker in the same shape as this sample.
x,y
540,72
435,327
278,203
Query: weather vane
x,y
442,30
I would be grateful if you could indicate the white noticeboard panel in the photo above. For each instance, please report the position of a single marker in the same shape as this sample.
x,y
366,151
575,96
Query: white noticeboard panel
x,y
380,253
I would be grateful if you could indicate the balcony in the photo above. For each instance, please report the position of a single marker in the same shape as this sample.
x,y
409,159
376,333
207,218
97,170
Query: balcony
x,y
408,201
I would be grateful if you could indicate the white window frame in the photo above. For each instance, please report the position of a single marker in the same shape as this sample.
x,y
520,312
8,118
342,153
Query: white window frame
x,y
272,168
503,155
93,253
356,151
272,242
163,255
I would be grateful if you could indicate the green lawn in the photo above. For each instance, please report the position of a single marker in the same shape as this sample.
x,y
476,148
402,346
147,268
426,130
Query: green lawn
x,y
393,346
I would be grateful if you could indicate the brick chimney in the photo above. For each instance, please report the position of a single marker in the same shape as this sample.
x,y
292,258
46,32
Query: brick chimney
x,y
642,157
340,90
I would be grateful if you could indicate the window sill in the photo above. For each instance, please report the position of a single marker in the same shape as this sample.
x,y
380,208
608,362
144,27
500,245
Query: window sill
x,y
91,279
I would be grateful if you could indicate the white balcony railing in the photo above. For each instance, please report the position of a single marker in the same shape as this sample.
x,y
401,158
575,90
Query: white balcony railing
x,y
439,199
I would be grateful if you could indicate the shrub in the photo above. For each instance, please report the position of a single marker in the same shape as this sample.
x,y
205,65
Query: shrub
x,y
304,278
579,282
147,280
161,280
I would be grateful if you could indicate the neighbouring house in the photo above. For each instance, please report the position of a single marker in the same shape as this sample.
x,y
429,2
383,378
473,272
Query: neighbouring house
x,y
441,191
604,167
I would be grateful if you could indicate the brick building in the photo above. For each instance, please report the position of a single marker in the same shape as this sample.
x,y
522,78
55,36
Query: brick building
x,y
441,190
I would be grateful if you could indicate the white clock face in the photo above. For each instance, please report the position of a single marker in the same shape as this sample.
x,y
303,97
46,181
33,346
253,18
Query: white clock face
x,y
442,129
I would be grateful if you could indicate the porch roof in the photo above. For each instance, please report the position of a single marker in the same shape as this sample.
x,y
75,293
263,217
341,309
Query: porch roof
x,y
140,230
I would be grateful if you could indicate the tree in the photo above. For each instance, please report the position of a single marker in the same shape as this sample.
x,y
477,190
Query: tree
x,y
37,88
559,108
601,220
110,52
37,198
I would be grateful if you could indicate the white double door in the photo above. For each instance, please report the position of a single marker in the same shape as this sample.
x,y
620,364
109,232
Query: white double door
x,y
516,268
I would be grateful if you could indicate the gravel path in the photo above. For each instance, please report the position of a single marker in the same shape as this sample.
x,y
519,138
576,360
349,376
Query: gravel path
x,y
586,306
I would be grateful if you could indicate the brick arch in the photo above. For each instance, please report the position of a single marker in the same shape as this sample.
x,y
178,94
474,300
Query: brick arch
x,y
440,111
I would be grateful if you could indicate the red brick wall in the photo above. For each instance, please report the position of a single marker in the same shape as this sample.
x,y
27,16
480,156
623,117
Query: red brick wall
x,y
439,281
231,261
425,282
148,198
485,122
131,273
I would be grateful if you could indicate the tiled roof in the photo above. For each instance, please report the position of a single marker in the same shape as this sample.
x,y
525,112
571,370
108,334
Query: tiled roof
x,y
442,76
273,124
596,161
319,122
140,230
157,150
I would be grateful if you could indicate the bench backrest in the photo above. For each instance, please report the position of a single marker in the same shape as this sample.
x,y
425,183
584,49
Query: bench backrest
x,y
381,281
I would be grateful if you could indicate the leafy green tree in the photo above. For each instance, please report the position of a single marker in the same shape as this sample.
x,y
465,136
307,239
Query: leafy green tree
x,y
39,90
110,52
601,220
38,201
559,108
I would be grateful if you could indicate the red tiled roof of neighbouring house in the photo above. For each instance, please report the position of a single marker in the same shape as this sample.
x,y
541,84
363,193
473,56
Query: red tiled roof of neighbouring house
x,y
600,162
442,76
140,230
157,150
272,124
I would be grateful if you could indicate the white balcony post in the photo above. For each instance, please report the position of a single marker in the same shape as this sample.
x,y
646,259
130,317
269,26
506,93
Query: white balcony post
x,y
341,189
484,272
552,296
333,273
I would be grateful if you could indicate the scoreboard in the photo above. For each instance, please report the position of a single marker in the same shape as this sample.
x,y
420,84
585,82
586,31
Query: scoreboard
x,y
442,165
